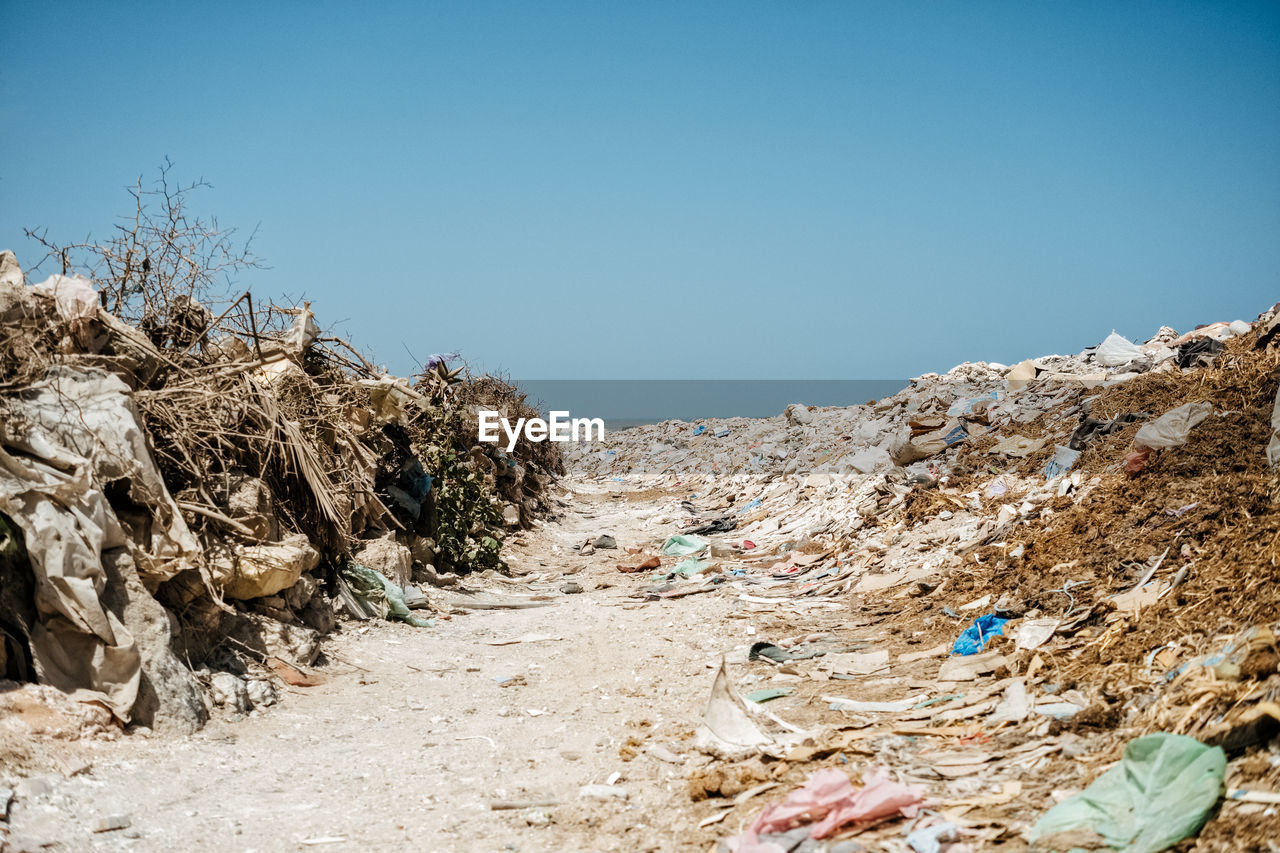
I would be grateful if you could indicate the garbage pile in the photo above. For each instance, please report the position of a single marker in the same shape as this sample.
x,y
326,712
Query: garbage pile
x,y
214,491
1002,579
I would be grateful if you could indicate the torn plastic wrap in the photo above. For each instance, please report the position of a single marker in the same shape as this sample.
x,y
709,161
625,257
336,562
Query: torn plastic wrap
x,y
63,439
1117,351
89,414
1162,791
367,593
1173,427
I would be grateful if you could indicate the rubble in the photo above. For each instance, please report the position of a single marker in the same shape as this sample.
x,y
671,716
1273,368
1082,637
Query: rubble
x,y
1106,604
179,489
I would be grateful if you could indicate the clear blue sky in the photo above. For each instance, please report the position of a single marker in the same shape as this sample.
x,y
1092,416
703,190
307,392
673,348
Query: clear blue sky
x,y
682,190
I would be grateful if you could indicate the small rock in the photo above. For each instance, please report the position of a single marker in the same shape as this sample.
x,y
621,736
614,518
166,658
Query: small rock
x,y
661,753
261,693
111,822
537,817
80,766
603,792
230,691
386,555
33,788
604,541
797,414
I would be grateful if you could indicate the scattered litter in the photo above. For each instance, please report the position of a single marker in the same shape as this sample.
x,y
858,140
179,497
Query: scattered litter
x,y
682,546
1031,634
111,822
1173,427
1014,705
970,666
974,638
691,566
927,840
603,792
643,565
1161,792
727,730
1064,459
761,696
1117,351
828,802
840,703
1017,446
373,594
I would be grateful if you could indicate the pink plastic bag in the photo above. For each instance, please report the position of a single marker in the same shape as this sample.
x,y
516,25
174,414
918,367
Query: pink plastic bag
x,y
830,802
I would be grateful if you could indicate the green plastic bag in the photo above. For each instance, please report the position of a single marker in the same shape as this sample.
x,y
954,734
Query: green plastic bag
x,y
1160,793
382,593
683,546
690,567
769,693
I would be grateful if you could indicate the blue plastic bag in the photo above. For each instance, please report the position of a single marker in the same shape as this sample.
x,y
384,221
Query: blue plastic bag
x,y
976,636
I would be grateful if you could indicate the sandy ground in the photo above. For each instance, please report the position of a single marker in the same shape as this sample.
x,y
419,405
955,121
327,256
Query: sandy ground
x,y
414,737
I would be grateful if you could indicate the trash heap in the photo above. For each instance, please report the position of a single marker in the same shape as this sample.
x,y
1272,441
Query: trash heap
x,y
214,491
1006,578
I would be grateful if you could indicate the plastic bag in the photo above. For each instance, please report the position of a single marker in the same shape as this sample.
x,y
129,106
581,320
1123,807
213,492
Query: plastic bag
x,y
380,594
976,636
683,546
1117,350
1063,460
303,332
73,295
1172,428
830,799
1160,793
691,566
967,405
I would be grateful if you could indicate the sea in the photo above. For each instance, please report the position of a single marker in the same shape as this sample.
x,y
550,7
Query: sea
x,y
624,403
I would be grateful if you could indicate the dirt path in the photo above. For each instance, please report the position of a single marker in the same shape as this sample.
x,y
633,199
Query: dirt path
x,y
418,732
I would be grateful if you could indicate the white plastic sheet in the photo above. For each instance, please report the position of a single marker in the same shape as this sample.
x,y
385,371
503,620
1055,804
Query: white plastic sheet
x,y
73,295
1173,427
62,438
1117,350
